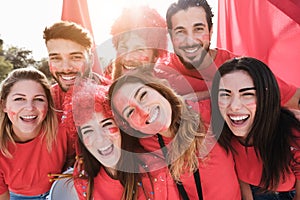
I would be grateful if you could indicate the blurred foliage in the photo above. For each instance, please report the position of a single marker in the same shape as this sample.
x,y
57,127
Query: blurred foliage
x,y
15,57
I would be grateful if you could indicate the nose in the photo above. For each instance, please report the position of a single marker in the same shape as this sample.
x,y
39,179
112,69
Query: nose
x,y
131,56
100,136
140,115
236,103
190,41
29,105
66,64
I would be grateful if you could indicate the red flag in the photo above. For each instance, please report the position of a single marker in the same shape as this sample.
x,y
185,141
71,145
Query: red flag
x,y
77,11
268,30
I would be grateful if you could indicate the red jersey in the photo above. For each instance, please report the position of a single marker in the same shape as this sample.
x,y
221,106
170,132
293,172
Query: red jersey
x,y
27,172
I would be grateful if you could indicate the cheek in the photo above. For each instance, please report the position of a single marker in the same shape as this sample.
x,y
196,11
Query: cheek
x,y
176,41
144,58
79,66
113,130
87,141
11,114
205,37
53,67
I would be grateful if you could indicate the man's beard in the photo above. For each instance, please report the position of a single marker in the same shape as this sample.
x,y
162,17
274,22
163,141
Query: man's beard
x,y
195,64
86,73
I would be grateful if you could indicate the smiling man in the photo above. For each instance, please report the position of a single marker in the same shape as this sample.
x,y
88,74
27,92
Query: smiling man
x,y
195,62
70,54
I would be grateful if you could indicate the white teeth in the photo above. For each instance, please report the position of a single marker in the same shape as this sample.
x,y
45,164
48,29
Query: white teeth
x,y
29,117
193,50
238,118
153,116
106,150
68,78
129,67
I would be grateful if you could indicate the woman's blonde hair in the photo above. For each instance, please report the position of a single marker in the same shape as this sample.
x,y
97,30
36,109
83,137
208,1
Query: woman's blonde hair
x,y
49,125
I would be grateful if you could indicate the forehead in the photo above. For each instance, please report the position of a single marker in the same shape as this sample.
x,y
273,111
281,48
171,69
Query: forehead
x,y
131,39
63,46
237,79
27,87
189,17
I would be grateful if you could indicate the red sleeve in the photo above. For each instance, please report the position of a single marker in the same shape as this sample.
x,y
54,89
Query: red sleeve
x,y
3,186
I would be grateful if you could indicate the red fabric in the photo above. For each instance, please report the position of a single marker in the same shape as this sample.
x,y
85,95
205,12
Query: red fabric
x,y
185,81
77,11
217,172
27,172
249,168
267,30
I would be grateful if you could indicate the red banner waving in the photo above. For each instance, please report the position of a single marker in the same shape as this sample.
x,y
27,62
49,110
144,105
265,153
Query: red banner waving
x,y
77,11
266,29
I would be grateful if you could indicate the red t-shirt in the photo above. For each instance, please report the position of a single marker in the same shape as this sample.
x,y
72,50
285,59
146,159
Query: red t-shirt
x,y
249,167
107,188
185,81
27,172
217,171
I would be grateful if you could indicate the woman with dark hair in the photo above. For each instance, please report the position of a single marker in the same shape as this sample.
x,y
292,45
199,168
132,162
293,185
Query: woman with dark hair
x,y
111,164
263,136
146,107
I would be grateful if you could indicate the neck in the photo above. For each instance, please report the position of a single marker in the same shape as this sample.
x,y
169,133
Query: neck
x,y
168,133
111,172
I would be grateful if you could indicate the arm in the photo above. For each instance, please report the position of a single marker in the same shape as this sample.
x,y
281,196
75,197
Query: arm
x,y
246,191
4,196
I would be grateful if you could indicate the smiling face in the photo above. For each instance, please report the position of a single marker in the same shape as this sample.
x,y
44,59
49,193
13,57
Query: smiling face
x,y
67,60
132,51
237,102
26,106
102,138
191,36
143,108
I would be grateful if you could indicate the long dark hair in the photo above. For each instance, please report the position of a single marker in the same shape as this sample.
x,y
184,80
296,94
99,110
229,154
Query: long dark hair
x,y
129,161
88,99
272,130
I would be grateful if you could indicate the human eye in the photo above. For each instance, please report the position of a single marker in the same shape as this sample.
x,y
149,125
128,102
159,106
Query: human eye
x,y
19,99
107,123
128,112
143,95
85,130
55,58
199,29
224,94
40,99
77,57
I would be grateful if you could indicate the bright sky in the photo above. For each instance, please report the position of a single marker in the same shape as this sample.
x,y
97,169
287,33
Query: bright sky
x,y
23,22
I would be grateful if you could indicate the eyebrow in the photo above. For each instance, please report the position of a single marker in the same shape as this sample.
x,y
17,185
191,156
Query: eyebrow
x,y
72,53
104,120
199,24
245,89
241,90
85,127
224,90
178,27
23,95
135,95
